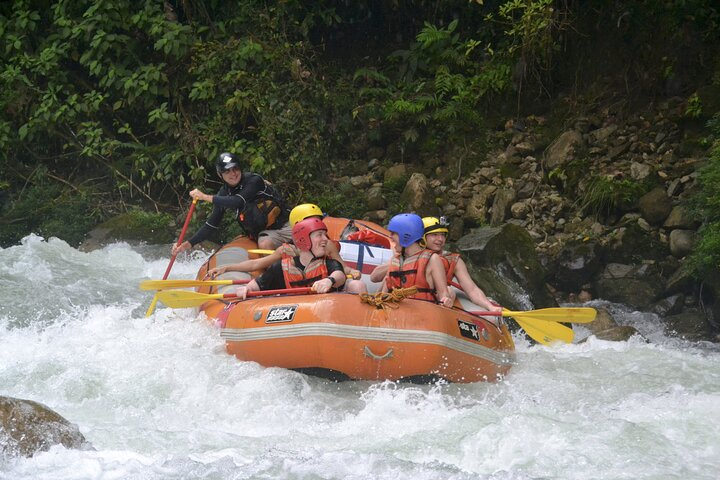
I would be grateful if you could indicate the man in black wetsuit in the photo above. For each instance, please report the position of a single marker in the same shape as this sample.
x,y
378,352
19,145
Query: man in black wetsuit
x,y
259,208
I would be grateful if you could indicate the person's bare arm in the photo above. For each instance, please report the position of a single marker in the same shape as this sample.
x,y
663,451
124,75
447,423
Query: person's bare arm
x,y
246,265
435,276
335,255
379,273
474,293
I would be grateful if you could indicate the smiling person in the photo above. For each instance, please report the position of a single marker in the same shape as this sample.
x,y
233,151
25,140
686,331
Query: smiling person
x,y
310,268
297,214
413,265
436,231
257,206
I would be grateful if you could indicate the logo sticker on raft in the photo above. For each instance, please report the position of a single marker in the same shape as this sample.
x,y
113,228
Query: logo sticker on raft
x,y
282,313
469,330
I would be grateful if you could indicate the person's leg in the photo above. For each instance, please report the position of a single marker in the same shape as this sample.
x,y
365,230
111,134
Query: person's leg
x,y
271,239
355,286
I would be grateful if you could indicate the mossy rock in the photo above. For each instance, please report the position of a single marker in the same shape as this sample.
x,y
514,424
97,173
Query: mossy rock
x,y
505,265
137,226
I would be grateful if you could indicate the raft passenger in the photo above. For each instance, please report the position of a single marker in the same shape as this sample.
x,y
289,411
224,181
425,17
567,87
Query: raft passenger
x,y
312,267
436,231
297,214
413,265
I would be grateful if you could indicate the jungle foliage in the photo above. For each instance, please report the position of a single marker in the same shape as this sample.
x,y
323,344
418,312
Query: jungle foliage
x,y
119,103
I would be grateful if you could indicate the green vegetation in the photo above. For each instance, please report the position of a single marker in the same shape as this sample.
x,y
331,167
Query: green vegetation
x,y
705,260
605,195
124,104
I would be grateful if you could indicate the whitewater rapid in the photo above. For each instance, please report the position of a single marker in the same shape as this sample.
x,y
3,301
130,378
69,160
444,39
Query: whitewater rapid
x,y
158,397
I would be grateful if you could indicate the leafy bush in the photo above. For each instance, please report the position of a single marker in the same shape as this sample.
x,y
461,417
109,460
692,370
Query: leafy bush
x,y
705,260
48,210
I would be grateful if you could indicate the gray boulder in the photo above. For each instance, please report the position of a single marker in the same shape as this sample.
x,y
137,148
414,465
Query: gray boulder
x,y
576,265
503,262
28,427
635,285
655,206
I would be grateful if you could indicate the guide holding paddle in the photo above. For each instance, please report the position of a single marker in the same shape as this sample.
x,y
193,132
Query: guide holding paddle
x,y
257,206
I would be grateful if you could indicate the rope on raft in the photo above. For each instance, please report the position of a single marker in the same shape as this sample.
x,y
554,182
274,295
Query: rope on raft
x,y
387,300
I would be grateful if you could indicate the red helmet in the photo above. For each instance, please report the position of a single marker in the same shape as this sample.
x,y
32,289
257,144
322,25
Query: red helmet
x,y
302,230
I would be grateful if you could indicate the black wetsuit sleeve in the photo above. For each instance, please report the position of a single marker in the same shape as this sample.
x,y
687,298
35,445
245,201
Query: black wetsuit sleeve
x,y
272,278
250,186
334,266
211,226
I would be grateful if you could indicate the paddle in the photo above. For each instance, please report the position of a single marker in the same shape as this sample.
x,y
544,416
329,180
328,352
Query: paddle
x,y
172,259
556,314
187,299
165,284
260,251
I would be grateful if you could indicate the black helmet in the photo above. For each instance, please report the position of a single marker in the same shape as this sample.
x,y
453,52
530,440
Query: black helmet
x,y
225,162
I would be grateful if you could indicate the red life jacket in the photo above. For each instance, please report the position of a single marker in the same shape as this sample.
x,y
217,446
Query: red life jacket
x,y
411,273
296,277
450,261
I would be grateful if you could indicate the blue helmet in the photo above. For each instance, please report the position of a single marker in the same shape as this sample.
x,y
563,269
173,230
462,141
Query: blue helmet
x,y
409,228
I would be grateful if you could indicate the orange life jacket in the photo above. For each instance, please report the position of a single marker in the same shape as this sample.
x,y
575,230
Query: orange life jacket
x,y
411,273
288,249
296,277
450,261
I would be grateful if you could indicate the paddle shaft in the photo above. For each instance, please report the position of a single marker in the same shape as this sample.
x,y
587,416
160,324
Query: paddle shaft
x,y
263,293
164,284
151,308
181,237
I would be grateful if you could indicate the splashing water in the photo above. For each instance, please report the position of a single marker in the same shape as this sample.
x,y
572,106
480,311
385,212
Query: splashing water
x,y
159,398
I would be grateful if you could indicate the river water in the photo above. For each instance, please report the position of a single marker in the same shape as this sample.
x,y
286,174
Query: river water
x,y
159,398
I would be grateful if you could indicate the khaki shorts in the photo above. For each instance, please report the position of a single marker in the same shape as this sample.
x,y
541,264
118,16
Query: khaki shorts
x,y
279,236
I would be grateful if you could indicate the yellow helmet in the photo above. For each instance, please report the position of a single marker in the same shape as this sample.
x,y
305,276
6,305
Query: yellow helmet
x,y
434,225
301,212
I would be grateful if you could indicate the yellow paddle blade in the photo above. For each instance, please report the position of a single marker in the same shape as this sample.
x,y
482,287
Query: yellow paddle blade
x,y
546,333
558,314
163,284
260,251
184,298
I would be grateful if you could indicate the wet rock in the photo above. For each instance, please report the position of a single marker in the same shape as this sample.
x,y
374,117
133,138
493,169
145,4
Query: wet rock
x,y
617,334
603,321
133,226
505,265
28,427
633,244
681,281
635,285
655,206
691,325
669,305
576,264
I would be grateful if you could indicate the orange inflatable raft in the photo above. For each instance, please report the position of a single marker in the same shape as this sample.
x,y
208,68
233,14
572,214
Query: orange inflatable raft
x,y
338,336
